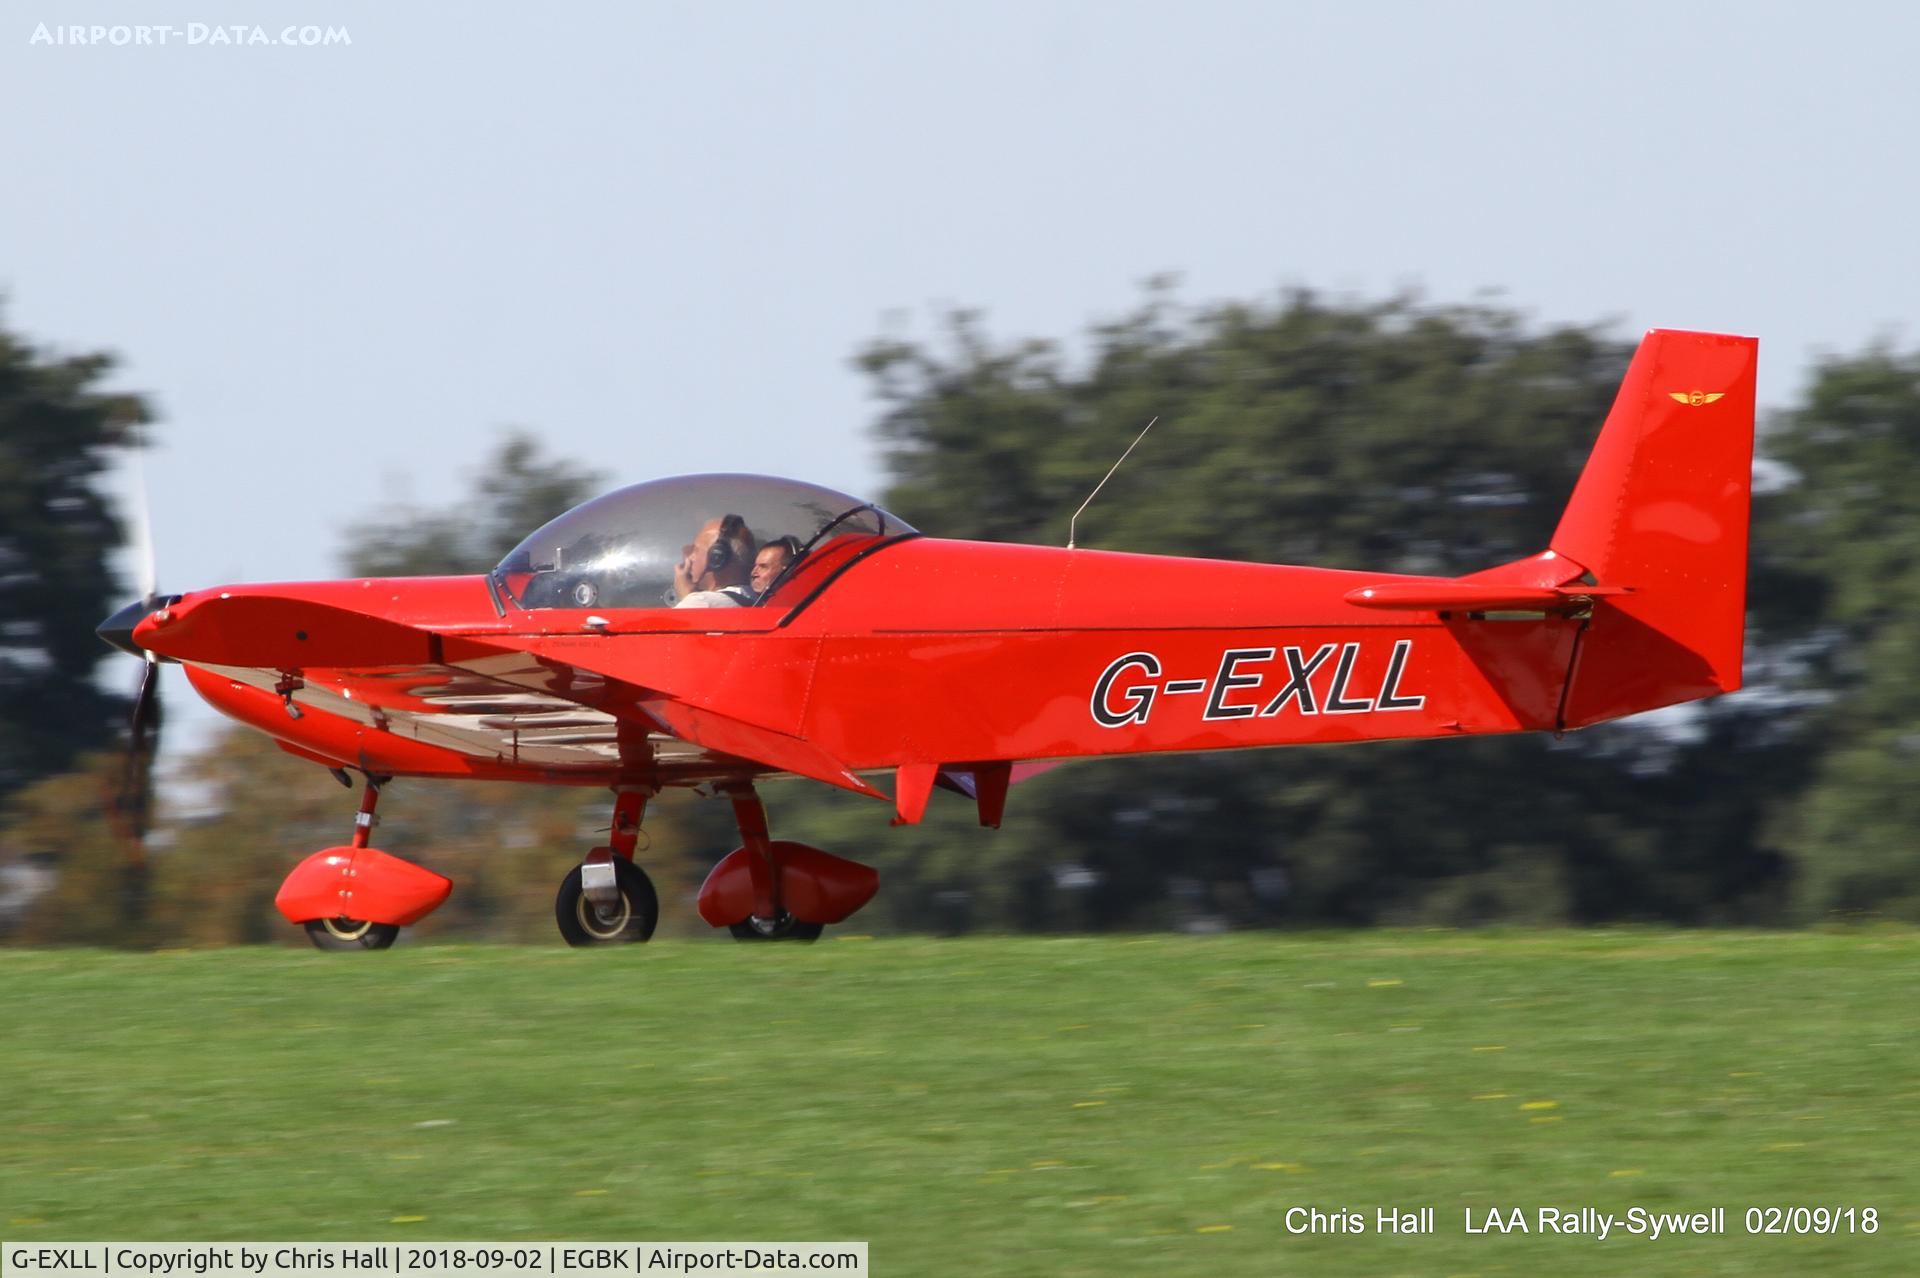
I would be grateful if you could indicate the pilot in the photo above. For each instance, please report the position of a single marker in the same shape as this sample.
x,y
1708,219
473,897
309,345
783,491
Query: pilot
x,y
771,562
714,572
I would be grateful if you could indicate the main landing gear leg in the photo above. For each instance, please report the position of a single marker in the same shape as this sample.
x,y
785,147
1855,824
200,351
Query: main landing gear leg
x,y
770,920
775,890
607,899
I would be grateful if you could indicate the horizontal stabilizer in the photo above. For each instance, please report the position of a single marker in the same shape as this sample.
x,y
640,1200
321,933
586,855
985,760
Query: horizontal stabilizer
x,y
1475,596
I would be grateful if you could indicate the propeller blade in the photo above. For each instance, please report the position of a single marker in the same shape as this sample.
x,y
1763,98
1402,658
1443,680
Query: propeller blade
x,y
131,804
146,708
141,518
130,809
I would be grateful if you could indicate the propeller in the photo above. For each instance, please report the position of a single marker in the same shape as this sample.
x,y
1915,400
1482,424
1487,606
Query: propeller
x,y
130,807
146,699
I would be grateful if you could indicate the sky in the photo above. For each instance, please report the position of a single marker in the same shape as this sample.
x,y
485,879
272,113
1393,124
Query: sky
x,y
655,234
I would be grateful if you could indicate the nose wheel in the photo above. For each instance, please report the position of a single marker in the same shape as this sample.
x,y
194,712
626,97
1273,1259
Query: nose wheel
x,y
332,893
350,934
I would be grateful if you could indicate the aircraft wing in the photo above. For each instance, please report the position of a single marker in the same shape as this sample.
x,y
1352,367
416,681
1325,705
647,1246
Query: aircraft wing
x,y
748,741
288,632
444,703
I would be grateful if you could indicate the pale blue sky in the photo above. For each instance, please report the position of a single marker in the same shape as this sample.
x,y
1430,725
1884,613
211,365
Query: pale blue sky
x,y
655,233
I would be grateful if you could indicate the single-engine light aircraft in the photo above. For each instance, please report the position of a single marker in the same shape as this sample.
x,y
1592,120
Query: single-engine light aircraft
x,y
720,630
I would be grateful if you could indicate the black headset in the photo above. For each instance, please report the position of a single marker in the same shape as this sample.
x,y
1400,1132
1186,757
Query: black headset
x,y
720,553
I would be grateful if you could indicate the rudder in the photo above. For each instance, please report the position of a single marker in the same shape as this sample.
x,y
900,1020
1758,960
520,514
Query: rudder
x,y
1661,509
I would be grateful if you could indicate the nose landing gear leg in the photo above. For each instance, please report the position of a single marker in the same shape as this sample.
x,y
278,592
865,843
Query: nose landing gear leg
x,y
356,897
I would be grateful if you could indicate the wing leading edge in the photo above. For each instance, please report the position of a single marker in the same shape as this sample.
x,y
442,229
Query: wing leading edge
x,y
374,692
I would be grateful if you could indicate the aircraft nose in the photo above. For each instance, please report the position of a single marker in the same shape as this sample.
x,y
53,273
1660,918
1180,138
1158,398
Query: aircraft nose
x,y
118,629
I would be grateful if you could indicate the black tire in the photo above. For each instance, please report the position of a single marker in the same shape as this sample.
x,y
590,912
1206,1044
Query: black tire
x,y
789,929
634,921
350,934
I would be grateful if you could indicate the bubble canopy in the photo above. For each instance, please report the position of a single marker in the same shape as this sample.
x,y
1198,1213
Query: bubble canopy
x,y
620,550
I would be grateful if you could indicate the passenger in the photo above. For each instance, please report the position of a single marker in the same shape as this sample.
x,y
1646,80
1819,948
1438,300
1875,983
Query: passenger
x,y
771,562
714,572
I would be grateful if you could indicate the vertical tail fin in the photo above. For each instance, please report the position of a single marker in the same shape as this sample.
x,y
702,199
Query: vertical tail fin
x,y
1661,510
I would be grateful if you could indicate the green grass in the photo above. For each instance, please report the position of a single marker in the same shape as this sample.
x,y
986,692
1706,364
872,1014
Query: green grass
x,y
1111,1106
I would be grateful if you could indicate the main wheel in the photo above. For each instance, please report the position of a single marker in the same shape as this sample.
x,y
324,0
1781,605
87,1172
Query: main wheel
x,y
350,934
787,929
631,918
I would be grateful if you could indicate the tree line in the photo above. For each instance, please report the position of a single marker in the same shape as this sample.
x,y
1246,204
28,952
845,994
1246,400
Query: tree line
x,y
1394,435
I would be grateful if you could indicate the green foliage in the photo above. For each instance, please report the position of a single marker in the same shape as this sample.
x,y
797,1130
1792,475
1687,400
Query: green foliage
x,y
1380,436
57,531
1846,541
56,825
1852,521
516,491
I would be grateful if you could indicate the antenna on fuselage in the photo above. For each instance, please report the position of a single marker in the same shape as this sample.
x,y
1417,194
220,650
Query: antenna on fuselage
x,y
1103,481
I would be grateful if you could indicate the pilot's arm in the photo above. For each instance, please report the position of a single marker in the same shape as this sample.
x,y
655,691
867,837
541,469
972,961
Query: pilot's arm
x,y
683,574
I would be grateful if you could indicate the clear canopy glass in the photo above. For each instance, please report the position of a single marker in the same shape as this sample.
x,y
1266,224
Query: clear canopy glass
x,y
620,550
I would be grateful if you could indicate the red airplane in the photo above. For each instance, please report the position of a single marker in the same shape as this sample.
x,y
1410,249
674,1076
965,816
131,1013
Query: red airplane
x,y
877,658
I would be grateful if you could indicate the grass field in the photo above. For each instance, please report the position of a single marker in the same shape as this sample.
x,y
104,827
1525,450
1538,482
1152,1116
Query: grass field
x,y
1114,1106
